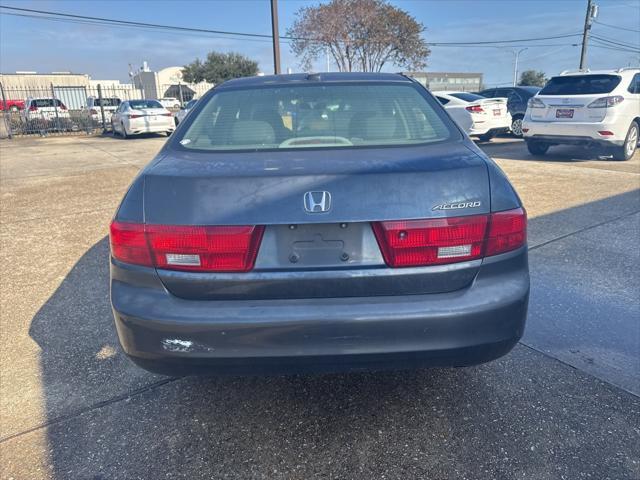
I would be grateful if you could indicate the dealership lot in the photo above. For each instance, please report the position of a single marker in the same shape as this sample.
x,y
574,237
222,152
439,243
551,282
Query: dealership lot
x,y
563,404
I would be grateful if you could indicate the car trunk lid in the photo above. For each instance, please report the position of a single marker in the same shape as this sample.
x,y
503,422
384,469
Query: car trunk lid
x,y
309,254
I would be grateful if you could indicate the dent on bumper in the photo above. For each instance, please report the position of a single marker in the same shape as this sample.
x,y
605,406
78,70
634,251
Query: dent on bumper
x,y
170,335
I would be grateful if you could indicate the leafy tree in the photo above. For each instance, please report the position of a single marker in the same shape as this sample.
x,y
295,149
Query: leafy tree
x,y
533,78
219,67
360,35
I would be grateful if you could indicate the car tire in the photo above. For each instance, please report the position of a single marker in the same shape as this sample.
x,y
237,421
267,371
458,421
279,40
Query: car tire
x,y
626,151
536,147
516,126
485,137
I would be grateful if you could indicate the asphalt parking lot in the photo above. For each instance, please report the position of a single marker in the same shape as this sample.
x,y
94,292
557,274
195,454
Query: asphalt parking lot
x,y
564,404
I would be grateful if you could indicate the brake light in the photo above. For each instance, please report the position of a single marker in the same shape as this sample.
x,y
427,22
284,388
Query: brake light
x,y
62,106
188,248
410,243
474,109
33,108
535,102
606,133
605,102
507,231
431,242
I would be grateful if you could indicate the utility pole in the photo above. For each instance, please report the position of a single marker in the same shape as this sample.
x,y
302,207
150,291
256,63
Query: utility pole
x,y
276,37
590,16
515,66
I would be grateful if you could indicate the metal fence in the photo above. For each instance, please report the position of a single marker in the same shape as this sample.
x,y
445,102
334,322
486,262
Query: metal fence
x,y
63,110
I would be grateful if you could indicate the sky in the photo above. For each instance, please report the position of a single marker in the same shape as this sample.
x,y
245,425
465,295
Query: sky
x,y
105,52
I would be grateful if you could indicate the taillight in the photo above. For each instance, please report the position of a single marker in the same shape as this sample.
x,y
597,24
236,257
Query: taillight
x,y
507,231
411,243
535,103
431,242
605,102
62,106
188,248
474,109
129,243
93,111
135,115
33,108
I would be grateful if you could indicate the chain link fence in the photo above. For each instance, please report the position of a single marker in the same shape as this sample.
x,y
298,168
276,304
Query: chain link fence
x,y
64,110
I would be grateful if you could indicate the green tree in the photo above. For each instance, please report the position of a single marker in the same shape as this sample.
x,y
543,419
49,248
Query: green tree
x,y
533,78
360,35
219,67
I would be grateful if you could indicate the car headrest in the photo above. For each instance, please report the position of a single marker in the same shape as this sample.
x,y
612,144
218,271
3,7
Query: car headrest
x,y
252,132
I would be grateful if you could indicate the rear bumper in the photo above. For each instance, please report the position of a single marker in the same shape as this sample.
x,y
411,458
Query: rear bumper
x,y
136,129
170,335
573,133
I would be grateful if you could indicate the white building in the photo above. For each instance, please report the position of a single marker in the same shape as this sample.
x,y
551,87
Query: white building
x,y
168,82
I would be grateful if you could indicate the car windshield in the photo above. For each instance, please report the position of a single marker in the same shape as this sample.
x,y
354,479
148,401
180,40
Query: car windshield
x,y
142,104
106,102
301,116
581,85
468,97
46,102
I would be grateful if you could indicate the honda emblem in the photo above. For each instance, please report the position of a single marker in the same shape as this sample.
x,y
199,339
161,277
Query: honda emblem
x,y
317,202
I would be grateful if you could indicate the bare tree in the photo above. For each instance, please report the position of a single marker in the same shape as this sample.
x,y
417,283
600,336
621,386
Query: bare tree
x,y
360,35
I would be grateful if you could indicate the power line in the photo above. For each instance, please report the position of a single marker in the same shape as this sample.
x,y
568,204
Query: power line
x,y
114,22
616,49
616,27
614,42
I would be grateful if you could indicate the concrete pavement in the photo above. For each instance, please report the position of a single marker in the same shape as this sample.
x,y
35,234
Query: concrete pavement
x,y
563,404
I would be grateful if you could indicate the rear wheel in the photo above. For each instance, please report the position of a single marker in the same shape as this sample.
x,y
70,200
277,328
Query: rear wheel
x,y
626,151
486,137
516,126
537,148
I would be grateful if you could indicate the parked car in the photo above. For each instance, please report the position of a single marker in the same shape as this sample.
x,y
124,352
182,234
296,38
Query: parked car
x,y
44,109
322,222
11,105
182,113
517,98
108,104
170,102
133,117
478,116
600,108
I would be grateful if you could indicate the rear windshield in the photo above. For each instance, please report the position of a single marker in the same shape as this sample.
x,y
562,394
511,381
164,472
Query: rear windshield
x,y
316,116
468,97
106,102
581,85
144,104
45,102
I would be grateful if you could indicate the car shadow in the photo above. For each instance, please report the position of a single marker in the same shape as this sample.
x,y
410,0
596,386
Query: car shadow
x,y
109,419
513,150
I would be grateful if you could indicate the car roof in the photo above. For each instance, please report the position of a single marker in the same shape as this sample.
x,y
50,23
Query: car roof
x,y
329,77
619,71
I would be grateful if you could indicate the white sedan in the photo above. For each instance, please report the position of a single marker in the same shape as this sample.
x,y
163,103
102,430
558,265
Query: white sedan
x,y
478,116
141,116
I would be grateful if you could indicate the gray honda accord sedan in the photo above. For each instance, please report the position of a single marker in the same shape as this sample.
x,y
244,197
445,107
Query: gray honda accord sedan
x,y
318,222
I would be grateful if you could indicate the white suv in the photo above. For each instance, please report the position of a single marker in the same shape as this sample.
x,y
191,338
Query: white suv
x,y
586,108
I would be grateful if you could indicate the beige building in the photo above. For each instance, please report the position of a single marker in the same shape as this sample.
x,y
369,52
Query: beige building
x,y
41,81
455,81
